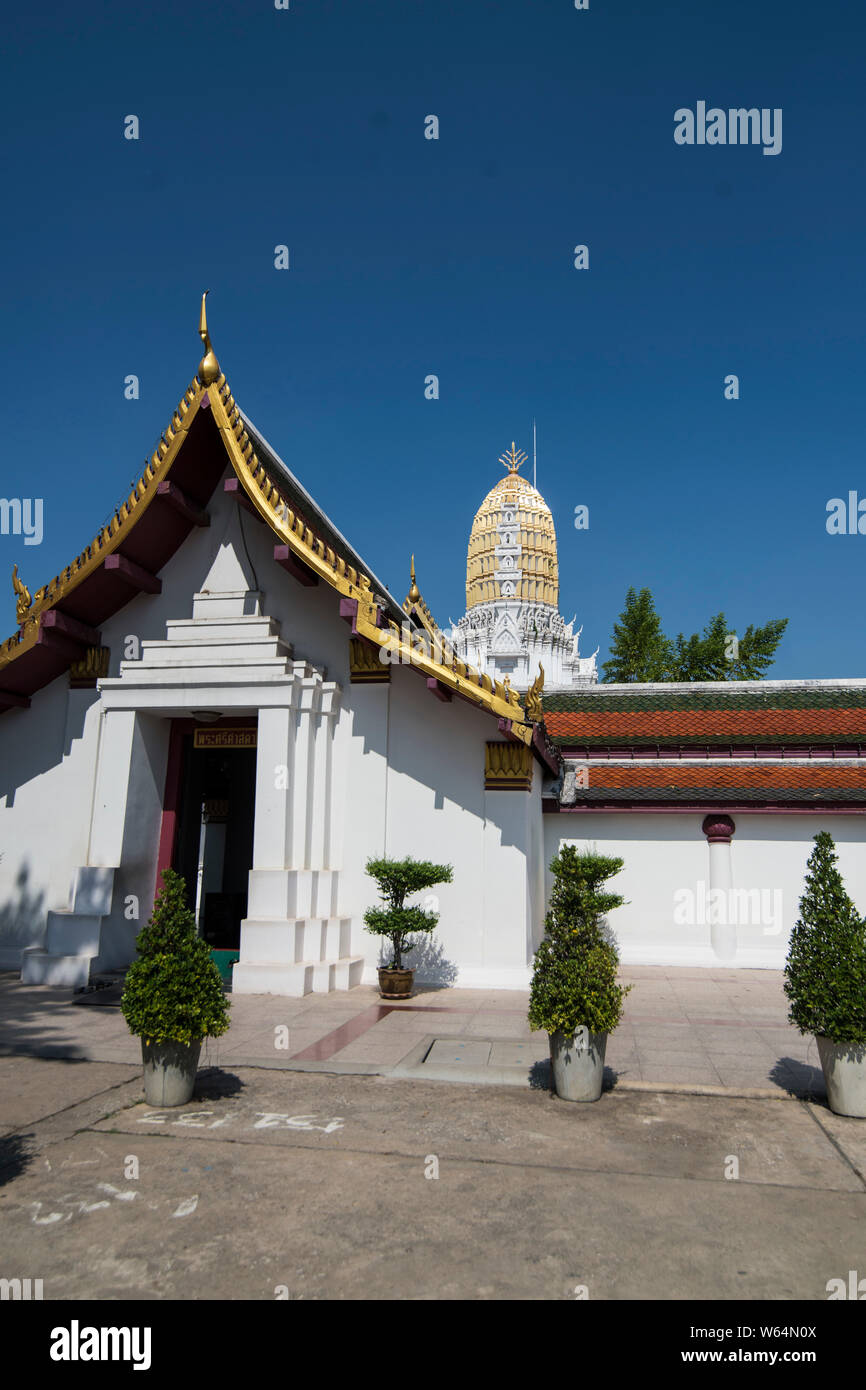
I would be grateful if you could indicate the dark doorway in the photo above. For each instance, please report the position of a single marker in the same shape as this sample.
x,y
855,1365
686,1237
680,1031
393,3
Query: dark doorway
x,y
214,844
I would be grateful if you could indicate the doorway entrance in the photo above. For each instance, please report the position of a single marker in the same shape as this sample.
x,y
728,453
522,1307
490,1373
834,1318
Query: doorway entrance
x,y
214,797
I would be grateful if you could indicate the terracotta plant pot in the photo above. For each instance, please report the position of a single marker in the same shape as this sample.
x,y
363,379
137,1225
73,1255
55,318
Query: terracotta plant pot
x,y
396,984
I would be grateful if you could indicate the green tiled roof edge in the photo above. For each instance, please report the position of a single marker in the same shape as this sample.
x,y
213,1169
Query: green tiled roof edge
x,y
777,699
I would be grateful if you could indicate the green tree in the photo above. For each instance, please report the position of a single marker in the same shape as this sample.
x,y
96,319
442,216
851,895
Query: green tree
x,y
719,654
639,650
399,879
173,991
825,973
574,973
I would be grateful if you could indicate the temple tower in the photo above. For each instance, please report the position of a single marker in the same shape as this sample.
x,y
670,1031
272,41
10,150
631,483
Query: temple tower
x,y
512,622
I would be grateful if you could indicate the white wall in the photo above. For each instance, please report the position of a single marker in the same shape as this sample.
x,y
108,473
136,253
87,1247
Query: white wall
x,y
427,799
667,854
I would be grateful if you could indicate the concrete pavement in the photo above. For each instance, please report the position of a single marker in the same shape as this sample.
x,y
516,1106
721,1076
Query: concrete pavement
x,y
274,1183
715,1030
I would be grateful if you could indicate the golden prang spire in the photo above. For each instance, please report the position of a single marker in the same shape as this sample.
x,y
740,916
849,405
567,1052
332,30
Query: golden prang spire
x,y
513,460
208,367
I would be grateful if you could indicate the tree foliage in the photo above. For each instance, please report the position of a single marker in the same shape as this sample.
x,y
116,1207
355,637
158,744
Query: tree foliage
x,y
574,973
825,973
173,991
640,651
399,879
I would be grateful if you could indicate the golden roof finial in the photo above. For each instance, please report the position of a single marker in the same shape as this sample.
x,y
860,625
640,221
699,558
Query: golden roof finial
x,y
513,460
208,367
414,592
23,599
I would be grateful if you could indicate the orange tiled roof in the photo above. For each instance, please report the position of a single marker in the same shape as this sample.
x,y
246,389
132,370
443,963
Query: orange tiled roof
x,y
795,714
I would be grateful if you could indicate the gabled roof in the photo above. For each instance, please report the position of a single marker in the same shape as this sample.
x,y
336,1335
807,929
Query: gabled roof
x,y
62,618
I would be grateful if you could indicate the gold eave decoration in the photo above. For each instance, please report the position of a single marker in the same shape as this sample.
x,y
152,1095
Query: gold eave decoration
x,y
365,668
507,767
112,535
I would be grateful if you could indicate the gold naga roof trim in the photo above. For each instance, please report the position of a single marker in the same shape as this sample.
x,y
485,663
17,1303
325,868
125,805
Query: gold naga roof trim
x,y
111,536
322,559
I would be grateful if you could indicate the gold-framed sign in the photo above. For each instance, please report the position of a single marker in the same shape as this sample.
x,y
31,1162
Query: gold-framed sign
x,y
225,738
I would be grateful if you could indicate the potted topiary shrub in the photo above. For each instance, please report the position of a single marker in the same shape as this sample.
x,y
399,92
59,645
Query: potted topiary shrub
x,y
399,879
574,993
173,996
825,979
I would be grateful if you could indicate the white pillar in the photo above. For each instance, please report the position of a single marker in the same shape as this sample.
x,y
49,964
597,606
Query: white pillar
x,y
275,749
116,747
723,932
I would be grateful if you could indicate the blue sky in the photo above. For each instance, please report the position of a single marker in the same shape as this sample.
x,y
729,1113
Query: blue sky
x,y
410,256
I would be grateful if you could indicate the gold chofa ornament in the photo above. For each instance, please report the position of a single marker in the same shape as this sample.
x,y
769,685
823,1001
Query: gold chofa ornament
x,y
513,459
22,595
208,367
532,703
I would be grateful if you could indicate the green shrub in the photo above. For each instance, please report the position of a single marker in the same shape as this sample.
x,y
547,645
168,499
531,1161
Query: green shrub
x,y
574,972
825,973
398,879
173,991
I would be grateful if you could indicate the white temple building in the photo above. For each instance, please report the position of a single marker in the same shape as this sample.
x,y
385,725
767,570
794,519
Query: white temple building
x,y
219,683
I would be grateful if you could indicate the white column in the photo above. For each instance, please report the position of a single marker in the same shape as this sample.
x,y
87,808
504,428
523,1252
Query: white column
x,y
320,829
111,793
272,832
723,933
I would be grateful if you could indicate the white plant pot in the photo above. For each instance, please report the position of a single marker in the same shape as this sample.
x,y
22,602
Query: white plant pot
x,y
578,1064
169,1072
844,1066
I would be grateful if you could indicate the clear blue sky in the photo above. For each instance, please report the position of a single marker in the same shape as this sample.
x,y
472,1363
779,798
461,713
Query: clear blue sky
x,y
411,256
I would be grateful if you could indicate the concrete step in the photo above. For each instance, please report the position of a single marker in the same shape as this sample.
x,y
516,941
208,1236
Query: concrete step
x,y
72,933
298,979
39,967
293,942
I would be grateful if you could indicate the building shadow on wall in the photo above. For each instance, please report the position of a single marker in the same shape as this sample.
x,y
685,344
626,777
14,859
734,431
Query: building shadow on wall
x,y
430,964
23,915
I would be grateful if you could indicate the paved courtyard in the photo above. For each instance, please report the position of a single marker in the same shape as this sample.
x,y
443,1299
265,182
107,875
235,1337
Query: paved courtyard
x,y
324,1157
682,1028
